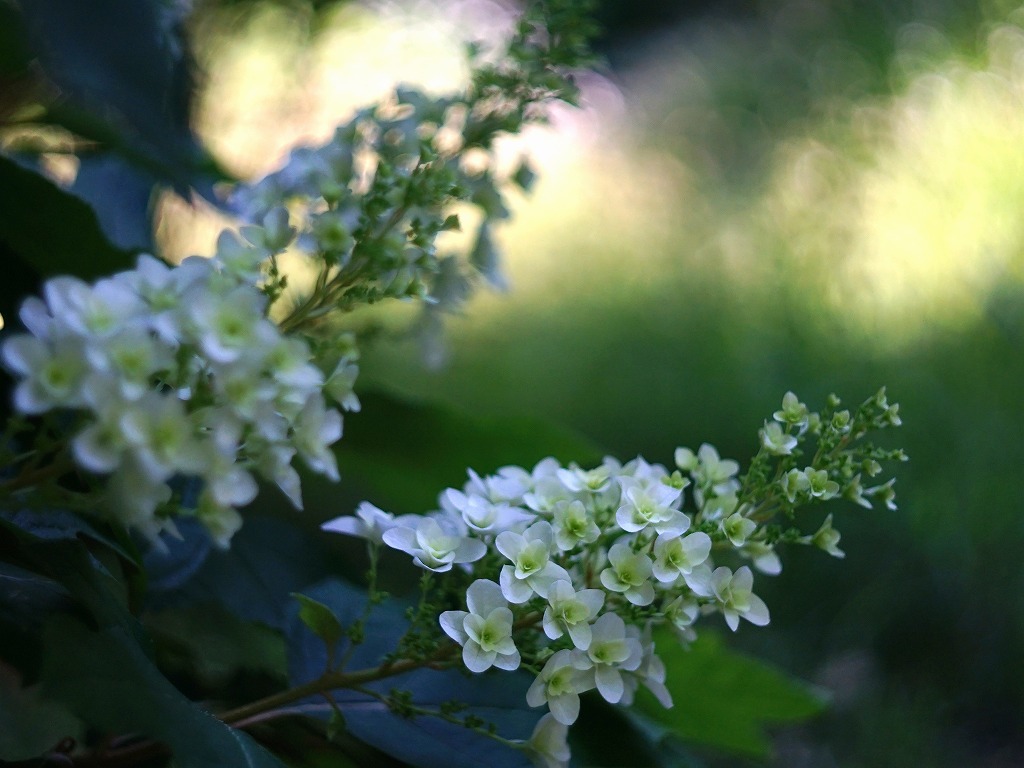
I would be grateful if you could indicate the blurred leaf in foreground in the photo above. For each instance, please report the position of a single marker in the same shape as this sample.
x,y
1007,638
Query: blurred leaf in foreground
x,y
724,699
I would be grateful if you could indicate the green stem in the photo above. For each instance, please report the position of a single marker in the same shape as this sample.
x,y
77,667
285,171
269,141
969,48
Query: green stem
x,y
327,682
61,465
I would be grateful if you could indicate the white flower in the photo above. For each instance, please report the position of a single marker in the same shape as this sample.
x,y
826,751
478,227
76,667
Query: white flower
x,y
682,612
714,472
651,673
612,649
735,598
239,259
531,570
433,548
793,412
482,515
738,528
573,525
676,556
232,324
339,386
53,373
571,611
776,441
578,480
764,557
559,685
629,572
548,746
819,485
885,493
370,522
645,504
128,359
289,361
827,538
508,485
133,496
547,493
162,437
314,430
220,520
794,483
485,631
91,311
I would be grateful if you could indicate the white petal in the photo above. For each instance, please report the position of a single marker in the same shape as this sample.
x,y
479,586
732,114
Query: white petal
x,y
565,708
476,658
347,524
609,683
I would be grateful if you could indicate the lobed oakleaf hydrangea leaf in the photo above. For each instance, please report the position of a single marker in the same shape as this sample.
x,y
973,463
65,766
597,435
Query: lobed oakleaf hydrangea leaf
x,y
419,741
724,699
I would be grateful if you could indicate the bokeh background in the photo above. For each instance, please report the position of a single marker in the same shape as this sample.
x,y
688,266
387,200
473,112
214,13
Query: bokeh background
x,y
815,195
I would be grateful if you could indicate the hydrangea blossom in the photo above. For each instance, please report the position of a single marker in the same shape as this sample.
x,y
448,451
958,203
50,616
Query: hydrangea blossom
x,y
169,373
586,563
485,631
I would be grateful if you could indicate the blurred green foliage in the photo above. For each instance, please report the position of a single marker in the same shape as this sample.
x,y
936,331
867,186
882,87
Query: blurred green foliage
x,y
918,630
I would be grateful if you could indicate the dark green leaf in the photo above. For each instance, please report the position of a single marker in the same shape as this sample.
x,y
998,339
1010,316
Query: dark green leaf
x,y
268,560
406,453
724,699
120,195
496,697
106,679
58,525
30,724
125,78
213,645
320,619
26,597
51,231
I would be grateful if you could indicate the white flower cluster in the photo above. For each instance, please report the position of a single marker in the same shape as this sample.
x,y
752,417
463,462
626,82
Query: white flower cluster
x,y
591,560
177,373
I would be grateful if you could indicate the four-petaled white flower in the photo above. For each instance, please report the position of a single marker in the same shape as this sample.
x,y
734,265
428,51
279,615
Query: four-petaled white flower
x,y
793,412
559,685
613,649
485,631
369,522
629,572
732,591
573,525
827,538
571,611
676,556
481,514
776,440
738,528
650,504
532,571
432,547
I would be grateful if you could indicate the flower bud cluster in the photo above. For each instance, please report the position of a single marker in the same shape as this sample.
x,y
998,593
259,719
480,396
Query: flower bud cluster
x,y
569,569
171,373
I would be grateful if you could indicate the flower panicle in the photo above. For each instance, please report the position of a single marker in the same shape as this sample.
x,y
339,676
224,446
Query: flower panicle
x,y
570,569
